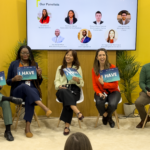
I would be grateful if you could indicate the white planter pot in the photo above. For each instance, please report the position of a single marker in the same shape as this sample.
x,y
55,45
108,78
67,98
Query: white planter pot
x,y
128,109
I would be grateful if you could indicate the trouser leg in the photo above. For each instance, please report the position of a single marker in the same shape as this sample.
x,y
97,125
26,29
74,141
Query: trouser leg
x,y
66,114
29,110
113,100
7,115
140,103
100,104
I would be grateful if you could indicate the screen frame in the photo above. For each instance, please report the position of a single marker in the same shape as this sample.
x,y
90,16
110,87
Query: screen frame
x,y
81,49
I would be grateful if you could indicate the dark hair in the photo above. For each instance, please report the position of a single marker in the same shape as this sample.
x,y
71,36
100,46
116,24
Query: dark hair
x,y
124,12
108,39
78,141
98,12
73,14
30,53
96,64
44,17
75,61
32,63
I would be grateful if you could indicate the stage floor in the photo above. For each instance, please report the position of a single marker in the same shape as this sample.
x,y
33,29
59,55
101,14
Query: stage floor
x,y
102,138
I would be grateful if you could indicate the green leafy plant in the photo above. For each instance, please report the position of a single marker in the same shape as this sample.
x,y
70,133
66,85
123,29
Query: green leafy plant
x,y
128,67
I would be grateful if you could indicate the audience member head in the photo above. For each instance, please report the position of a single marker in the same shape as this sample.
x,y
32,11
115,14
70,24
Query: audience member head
x,y
78,141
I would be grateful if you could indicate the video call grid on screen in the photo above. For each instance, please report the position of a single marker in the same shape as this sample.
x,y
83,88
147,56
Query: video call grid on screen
x,y
82,25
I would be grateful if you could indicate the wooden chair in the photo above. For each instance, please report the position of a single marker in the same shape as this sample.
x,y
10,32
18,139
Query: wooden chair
x,y
148,112
17,114
79,101
1,113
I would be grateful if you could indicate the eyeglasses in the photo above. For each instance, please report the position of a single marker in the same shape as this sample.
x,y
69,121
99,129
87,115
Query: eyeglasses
x,y
25,53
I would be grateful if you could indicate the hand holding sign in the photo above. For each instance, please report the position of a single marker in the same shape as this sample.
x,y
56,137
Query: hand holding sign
x,y
39,71
17,78
101,80
75,79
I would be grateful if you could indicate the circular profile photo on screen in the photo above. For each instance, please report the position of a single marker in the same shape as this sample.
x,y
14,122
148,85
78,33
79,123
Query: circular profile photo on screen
x,y
57,37
111,36
44,16
98,18
71,17
84,36
124,17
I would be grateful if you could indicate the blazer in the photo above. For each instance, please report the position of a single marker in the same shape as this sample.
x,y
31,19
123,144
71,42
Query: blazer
x,y
59,39
62,80
68,21
86,40
100,22
126,21
12,72
99,88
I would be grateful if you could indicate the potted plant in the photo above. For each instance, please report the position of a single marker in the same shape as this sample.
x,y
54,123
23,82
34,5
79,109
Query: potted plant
x,y
128,67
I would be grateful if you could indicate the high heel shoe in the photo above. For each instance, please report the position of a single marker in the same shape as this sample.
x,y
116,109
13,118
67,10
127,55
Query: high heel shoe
x,y
66,133
81,118
48,113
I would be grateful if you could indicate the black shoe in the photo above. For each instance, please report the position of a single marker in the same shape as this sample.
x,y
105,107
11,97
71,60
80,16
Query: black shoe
x,y
111,123
105,120
8,136
66,133
17,101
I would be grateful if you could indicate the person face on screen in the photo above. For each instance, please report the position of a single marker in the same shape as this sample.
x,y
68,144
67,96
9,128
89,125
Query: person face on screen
x,y
124,16
57,32
71,14
44,13
111,34
98,16
84,33
101,57
69,57
24,54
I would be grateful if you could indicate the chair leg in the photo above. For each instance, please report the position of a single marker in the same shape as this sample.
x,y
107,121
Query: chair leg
x,y
97,120
79,123
18,115
1,113
36,119
146,118
17,109
116,116
59,119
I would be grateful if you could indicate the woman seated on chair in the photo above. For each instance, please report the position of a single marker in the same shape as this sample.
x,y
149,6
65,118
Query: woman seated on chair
x,y
104,92
7,116
28,90
69,91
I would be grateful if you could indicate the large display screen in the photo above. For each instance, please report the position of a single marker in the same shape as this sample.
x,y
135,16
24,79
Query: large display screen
x,y
81,24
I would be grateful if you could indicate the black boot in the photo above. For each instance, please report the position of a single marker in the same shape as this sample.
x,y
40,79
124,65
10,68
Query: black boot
x,y
105,120
17,101
8,136
111,122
